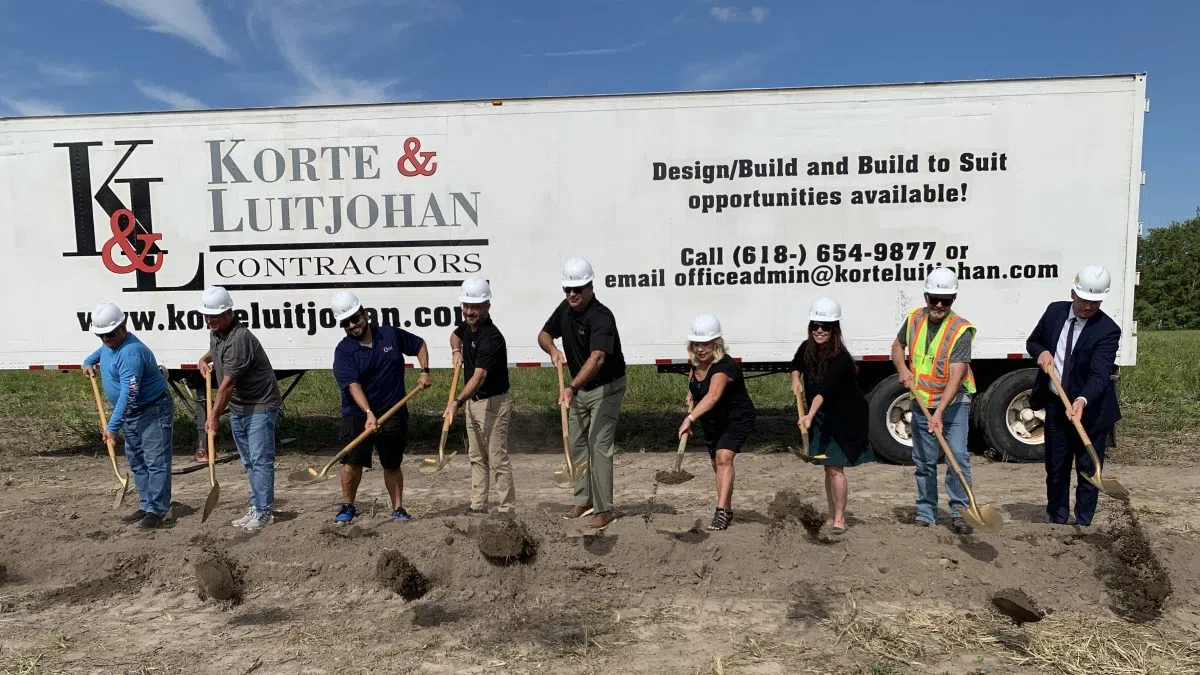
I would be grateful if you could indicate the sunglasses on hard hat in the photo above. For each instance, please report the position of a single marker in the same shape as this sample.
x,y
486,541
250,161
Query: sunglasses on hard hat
x,y
814,326
941,300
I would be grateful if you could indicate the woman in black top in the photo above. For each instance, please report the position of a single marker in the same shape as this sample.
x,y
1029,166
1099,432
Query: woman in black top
x,y
722,405
837,411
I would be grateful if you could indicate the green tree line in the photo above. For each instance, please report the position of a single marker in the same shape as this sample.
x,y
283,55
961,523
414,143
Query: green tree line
x,y
1168,258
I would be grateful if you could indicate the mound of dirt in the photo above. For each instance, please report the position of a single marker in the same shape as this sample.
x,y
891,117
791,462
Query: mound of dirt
x,y
220,578
3,573
395,573
1017,605
427,616
505,541
126,575
787,506
673,477
347,531
1136,580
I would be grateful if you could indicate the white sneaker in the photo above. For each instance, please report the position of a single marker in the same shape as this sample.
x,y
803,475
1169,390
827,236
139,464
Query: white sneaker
x,y
259,521
244,520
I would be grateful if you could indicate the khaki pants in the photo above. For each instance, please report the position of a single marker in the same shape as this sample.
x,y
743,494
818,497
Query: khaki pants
x,y
592,419
487,448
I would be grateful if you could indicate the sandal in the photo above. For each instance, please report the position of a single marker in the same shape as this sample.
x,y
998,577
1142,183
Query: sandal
x,y
721,520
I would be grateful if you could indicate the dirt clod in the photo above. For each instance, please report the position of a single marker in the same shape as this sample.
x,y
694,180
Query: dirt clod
x,y
505,541
3,573
347,531
126,575
673,477
400,576
1017,605
788,506
1137,582
219,578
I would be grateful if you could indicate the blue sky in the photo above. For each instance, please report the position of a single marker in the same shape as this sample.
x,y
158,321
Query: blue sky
x,y
77,56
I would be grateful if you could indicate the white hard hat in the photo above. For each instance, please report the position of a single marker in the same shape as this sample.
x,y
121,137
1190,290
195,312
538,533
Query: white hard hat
x,y
106,317
942,281
344,305
825,309
216,300
1093,283
577,272
475,290
705,327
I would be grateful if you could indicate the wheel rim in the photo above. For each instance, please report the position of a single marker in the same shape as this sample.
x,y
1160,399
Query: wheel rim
x,y
899,419
1024,424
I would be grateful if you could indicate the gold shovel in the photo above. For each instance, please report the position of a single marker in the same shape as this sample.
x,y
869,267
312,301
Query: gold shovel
x,y
1110,486
434,465
112,450
566,477
310,474
986,517
214,492
804,432
676,475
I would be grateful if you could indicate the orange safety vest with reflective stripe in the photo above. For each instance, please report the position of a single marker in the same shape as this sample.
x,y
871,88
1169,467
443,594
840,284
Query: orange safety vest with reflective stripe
x,y
931,366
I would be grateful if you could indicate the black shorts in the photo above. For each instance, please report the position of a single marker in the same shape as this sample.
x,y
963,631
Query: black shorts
x,y
389,441
730,437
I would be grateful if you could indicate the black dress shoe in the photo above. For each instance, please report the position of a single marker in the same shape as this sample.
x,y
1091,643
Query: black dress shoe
x,y
133,517
151,521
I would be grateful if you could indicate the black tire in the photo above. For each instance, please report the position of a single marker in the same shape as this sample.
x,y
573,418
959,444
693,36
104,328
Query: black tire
x,y
887,446
992,418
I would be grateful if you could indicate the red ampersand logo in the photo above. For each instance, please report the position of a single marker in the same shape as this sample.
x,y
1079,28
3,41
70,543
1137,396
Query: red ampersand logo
x,y
137,260
414,162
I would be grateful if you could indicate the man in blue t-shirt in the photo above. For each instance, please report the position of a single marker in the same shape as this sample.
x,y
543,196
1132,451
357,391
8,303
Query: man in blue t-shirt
x,y
141,408
368,365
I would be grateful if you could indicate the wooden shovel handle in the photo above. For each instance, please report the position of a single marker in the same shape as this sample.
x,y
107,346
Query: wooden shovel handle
x,y
801,412
366,432
208,403
1062,394
950,460
112,449
563,415
682,444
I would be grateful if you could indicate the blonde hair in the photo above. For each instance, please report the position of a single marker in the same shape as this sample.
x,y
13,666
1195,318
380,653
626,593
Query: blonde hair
x,y
718,351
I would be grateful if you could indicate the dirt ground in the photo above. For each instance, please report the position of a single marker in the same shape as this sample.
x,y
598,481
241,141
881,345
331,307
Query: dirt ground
x,y
653,593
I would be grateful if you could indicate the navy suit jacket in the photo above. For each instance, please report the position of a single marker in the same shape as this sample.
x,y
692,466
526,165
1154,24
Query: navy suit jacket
x,y
1092,363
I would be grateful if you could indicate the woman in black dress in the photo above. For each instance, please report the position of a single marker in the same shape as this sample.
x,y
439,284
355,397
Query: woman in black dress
x,y
837,411
722,405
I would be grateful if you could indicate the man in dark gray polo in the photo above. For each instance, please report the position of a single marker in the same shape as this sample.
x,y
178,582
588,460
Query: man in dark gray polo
x,y
247,385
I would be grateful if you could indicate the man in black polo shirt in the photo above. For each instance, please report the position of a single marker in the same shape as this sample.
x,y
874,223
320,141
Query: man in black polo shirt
x,y
368,365
480,346
597,388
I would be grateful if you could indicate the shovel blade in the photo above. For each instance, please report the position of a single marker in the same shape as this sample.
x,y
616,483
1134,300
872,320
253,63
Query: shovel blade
x,y
434,466
985,517
119,498
304,475
214,494
1109,486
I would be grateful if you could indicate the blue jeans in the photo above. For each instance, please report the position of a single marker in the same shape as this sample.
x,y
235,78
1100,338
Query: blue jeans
x,y
255,438
955,420
148,449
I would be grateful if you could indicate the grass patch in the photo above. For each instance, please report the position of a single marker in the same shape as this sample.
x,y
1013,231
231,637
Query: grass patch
x,y
54,411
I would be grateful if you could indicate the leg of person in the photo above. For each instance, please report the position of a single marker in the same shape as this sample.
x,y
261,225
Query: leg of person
x,y
1086,494
261,436
1058,464
239,426
132,431
830,507
393,441
601,443
925,453
157,428
579,423
499,413
352,465
956,424
725,475
835,482
476,413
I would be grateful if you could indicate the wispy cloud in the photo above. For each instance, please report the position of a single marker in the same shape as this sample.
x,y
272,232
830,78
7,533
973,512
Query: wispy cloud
x,y
731,14
175,99
185,19
67,74
314,36
603,51
29,106
725,72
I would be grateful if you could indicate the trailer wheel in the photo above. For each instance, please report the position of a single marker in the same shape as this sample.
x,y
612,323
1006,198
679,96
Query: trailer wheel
x,y
1011,428
890,429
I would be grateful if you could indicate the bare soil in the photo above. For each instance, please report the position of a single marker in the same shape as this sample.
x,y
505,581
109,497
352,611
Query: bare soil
x,y
654,592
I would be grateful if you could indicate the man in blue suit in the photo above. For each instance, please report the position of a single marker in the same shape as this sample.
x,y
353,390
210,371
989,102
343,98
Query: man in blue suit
x,y
1080,341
